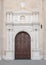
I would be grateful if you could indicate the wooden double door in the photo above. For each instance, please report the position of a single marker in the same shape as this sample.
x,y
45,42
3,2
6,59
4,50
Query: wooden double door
x,y
22,46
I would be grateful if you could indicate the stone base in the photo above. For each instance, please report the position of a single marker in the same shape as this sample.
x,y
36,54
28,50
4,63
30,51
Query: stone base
x,y
36,56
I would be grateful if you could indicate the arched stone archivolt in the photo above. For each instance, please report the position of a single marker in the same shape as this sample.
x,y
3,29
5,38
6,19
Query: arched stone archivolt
x,y
16,32
22,31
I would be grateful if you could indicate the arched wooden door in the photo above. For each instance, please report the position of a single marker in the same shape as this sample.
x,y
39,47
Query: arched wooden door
x,y
22,46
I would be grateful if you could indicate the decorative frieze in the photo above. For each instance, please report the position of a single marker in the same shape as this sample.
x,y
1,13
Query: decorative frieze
x,y
22,17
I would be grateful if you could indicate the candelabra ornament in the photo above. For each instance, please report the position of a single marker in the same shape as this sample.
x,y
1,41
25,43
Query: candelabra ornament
x,y
22,4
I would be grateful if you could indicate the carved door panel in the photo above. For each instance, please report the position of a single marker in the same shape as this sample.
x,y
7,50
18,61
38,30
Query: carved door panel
x,y
22,46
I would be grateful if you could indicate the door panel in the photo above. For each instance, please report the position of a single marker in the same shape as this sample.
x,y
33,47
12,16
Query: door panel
x,y
22,46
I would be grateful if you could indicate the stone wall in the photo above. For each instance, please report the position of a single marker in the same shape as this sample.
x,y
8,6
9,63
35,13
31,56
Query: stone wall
x,y
1,27
30,6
